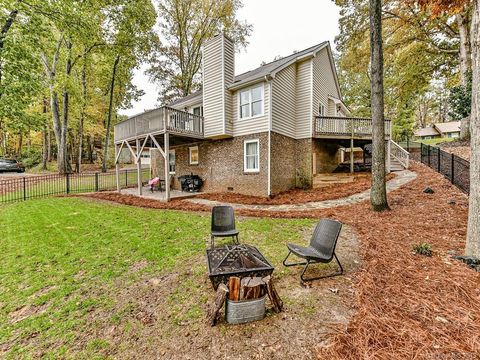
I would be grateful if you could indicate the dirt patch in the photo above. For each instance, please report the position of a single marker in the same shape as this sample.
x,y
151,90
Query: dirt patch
x,y
299,196
163,316
26,311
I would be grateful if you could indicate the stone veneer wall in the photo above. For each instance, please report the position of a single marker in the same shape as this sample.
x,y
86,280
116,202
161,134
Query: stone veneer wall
x,y
220,165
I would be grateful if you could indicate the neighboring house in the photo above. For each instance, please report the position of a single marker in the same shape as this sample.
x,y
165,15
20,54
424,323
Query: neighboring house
x,y
449,129
259,133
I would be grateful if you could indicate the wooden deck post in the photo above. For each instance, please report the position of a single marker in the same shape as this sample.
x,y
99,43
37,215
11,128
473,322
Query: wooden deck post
x,y
139,168
166,147
352,168
117,168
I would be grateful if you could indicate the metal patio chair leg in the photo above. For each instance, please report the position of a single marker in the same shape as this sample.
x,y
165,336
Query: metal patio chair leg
x,y
292,264
304,279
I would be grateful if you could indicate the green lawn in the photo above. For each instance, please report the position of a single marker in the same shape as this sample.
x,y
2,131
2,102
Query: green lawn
x,y
65,262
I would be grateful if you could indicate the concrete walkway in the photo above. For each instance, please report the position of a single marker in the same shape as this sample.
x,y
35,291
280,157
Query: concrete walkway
x,y
402,178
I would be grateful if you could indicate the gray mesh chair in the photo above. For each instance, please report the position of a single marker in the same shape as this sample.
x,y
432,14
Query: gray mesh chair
x,y
223,224
321,248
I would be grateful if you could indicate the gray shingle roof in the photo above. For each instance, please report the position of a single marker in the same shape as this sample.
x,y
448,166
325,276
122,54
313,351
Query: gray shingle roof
x,y
270,67
259,72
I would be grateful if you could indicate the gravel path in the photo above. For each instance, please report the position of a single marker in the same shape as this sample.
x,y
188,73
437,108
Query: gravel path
x,y
402,178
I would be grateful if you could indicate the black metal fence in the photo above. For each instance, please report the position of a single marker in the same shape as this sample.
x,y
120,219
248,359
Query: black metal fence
x,y
453,167
30,187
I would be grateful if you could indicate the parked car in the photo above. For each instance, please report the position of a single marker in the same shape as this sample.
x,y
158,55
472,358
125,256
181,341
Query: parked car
x,y
11,165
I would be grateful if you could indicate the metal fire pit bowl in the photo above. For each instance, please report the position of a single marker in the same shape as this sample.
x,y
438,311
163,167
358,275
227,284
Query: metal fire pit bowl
x,y
236,260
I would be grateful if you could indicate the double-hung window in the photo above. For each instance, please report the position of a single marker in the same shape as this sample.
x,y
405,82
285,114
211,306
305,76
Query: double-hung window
x,y
251,102
193,155
251,156
321,109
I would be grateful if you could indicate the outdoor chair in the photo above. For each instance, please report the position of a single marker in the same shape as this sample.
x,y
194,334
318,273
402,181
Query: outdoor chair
x,y
321,248
223,224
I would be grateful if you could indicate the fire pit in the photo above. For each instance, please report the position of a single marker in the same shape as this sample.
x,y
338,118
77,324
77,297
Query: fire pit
x,y
236,260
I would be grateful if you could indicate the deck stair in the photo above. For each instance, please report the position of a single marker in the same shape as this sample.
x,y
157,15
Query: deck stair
x,y
328,179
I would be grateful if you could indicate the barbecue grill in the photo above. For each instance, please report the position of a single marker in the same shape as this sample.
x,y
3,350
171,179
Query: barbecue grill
x,y
236,260
190,183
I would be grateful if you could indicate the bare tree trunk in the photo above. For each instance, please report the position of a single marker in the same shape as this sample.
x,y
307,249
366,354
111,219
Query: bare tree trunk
x,y
3,33
473,232
51,72
462,19
45,139
82,115
63,146
20,144
378,194
89,149
49,144
109,117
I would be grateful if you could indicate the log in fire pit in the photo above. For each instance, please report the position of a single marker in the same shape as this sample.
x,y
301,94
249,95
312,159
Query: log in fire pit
x,y
236,260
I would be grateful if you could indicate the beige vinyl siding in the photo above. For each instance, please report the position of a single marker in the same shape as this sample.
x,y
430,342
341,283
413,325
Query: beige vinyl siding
x,y
229,53
283,101
323,81
212,88
331,108
303,113
252,125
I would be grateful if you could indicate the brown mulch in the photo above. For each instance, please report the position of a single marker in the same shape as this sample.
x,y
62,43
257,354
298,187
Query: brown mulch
x,y
460,148
407,306
299,196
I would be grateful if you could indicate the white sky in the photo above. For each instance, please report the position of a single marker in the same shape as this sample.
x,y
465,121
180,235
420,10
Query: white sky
x,y
279,28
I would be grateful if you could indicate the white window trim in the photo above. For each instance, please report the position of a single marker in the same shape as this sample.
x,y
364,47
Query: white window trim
x,y
172,151
249,89
256,141
197,107
320,105
190,162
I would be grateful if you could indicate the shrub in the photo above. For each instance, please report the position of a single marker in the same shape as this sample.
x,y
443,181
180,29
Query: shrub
x,y
423,249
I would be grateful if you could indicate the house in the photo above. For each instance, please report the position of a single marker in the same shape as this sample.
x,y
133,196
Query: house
x,y
449,129
258,133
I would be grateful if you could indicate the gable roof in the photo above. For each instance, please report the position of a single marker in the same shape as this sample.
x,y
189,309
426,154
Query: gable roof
x,y
427,131
448,127
272,67
268,69
439,128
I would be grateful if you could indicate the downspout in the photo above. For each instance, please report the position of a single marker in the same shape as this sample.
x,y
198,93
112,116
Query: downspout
x,y
269,174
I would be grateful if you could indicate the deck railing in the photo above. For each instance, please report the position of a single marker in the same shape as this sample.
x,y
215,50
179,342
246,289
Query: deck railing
x,y
154,121
399,153
345,126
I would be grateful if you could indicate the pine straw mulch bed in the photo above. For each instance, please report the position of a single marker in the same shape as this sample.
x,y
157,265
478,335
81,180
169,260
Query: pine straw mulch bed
x,y
299,196
407,306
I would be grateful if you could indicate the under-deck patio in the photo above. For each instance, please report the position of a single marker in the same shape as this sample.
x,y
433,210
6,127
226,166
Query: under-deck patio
x,y
156,129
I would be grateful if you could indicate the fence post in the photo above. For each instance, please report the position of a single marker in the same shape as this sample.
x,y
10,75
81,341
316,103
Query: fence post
x,y
67,180
126,178
408,144
452,179
96,181
24,189
428,151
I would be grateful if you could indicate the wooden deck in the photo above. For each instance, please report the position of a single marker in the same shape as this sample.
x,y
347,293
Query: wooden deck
x,y
332,127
